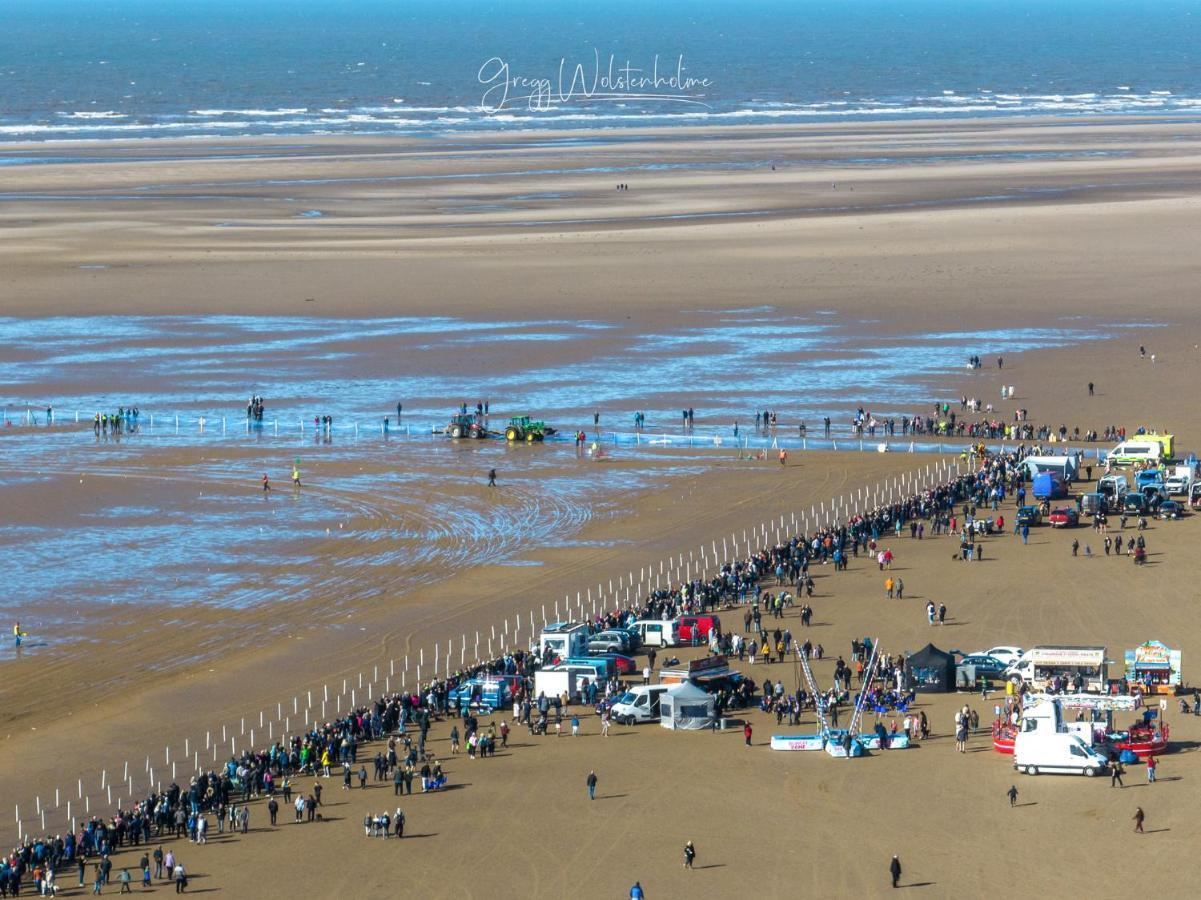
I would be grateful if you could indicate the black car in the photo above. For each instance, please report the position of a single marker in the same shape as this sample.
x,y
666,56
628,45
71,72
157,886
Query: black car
x,y
1134,504
1170,509
1029,515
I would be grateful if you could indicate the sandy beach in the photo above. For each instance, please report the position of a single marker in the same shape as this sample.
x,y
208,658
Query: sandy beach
x,y
909,238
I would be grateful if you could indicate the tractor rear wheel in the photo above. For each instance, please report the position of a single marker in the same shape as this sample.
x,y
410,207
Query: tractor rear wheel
x,y
456,431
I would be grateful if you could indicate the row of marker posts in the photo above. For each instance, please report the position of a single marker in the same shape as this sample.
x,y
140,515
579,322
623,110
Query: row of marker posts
x,y
674,570
617,438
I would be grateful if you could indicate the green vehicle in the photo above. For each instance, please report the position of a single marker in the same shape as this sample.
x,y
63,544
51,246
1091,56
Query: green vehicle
x,y
523,428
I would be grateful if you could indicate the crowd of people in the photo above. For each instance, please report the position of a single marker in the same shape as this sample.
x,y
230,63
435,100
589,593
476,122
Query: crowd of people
x,y
762,584
123,421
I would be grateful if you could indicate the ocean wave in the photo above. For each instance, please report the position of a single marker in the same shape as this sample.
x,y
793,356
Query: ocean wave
x,y
107,114
100,124
209,113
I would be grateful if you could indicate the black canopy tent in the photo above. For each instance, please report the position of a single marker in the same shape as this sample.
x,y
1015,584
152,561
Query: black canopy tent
x,y
931,671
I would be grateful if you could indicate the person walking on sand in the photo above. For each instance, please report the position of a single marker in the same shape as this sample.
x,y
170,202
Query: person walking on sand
x,y
689,854
266,483
1151,765
783,457
1013,795
894,869
1116,771
1139,816
636,892
746,733
492,478
592,784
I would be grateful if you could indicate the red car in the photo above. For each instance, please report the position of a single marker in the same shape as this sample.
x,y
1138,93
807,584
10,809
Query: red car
x,y
1063,517
626,665
695,629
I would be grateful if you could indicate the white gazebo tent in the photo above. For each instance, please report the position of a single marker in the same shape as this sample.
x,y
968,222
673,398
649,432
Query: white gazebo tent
x,y
687,707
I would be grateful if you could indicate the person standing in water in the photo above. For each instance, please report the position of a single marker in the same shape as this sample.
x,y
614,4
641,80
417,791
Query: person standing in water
x,y
266,483
17,634
492,478
296,476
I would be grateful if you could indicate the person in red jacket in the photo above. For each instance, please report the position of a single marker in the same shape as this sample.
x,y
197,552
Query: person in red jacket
x,y
746,733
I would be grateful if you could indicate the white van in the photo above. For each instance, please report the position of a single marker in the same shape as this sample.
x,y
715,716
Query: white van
x,y
1047,744
639,704
658,632
1136,451
1056,752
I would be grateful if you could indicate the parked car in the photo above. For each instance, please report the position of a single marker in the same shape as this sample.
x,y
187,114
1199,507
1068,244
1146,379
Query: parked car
x,y
1029,515
1134,504
986,666
1170,509
627,639
1006,655
1064,517
1178,485
626,665
606,642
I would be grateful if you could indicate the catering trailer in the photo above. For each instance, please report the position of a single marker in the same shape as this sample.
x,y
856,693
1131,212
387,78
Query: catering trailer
x,y
1154,667
1080,668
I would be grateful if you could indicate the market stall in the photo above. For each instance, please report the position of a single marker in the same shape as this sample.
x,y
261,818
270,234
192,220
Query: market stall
x,y
931,671
1154,667
687,707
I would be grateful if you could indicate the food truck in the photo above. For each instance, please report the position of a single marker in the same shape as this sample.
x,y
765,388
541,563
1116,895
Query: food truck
x,y
1154,667
1079,668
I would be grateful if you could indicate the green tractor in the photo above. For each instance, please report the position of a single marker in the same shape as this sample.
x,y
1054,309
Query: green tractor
x,y
523,428
465,425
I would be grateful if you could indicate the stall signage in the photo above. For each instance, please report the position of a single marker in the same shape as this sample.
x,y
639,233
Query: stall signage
x,y
706,664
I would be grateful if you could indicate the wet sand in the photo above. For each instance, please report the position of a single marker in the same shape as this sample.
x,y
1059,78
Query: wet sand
x,y
1009,239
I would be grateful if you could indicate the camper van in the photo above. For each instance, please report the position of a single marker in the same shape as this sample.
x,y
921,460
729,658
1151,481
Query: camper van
x,y
658,632
639,704
1136,451
565,639
1047,744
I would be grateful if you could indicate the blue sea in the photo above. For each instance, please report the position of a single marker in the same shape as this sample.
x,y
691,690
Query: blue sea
x,y
96,69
